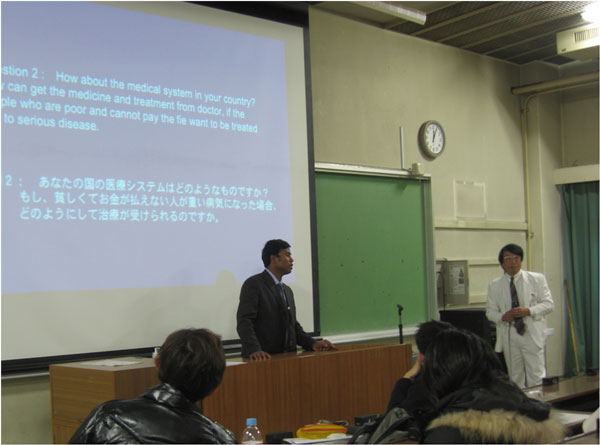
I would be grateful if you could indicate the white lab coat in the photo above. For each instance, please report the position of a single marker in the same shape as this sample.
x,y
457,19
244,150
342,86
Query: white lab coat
x,y
534,294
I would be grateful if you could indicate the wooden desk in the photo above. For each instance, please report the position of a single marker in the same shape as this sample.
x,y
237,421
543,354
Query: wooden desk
x,y
566,389
77,388
283,393
296,389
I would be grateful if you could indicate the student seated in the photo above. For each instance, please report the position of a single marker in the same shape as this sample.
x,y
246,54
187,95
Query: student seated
x,y
191,364
409,392
475,400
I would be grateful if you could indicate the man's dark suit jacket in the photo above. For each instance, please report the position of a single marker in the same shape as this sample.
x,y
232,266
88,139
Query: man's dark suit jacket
x,y
263,319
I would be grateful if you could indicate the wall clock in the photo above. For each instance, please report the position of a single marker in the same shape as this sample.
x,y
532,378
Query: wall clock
x,y
432,139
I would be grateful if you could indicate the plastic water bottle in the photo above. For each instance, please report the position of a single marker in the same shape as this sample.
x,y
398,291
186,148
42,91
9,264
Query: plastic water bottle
x,y
251,433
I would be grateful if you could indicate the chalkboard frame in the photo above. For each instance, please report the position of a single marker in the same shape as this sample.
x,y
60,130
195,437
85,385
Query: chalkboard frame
x,y
429,254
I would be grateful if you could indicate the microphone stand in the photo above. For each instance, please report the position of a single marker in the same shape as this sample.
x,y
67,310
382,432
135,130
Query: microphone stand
x,y
400,308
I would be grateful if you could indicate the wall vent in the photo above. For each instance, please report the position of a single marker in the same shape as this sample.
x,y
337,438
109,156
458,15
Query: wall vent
x,y
579,43
586,34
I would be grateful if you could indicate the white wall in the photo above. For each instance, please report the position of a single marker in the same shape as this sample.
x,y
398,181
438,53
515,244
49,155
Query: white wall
x,y
26,410
368,82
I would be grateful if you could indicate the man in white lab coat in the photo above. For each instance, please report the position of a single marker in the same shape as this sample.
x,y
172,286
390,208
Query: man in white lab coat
x,y
517,303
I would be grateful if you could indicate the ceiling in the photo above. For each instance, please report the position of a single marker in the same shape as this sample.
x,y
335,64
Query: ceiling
x,y
516,31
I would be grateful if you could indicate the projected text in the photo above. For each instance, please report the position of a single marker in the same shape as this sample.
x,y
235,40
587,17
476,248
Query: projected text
x,y
110,199
82,102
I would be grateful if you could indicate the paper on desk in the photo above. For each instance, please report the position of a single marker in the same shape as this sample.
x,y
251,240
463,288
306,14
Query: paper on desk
x,y
111,362
536,394
570,417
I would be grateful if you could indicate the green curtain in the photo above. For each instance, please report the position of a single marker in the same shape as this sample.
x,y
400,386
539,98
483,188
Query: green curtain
x,y
580,241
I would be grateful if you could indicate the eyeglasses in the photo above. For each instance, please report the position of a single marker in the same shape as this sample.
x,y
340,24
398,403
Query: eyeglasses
x,y
511,258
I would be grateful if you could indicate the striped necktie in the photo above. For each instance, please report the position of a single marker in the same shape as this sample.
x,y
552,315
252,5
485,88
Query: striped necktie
x,y
289,341
519,324
282,293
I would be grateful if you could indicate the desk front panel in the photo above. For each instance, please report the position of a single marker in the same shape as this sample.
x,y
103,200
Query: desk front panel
x,y
284,393
292,390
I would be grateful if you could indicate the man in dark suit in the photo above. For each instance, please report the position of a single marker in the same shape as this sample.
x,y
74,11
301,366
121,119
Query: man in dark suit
x,y
266,315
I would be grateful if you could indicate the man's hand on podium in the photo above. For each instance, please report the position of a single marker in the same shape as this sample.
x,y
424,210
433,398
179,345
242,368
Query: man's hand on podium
x,y
260,355
324,345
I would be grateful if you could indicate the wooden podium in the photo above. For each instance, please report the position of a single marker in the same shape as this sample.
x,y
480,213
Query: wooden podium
x,y
295,389
283,393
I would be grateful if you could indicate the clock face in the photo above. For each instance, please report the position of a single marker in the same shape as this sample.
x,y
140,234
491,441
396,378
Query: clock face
x,y
432,138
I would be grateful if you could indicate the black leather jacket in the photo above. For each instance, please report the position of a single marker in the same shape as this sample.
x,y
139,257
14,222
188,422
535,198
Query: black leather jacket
x,y
161,414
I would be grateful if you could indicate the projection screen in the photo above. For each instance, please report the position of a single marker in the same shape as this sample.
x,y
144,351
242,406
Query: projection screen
x,y
149,150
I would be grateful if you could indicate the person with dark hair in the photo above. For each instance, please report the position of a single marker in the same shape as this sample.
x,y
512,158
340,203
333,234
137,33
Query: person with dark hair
x,y
190,364
266,315
474,399
517,303
409,392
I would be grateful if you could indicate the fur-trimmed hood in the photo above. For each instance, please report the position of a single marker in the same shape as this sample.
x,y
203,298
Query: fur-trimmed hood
x,y
476,415
497,426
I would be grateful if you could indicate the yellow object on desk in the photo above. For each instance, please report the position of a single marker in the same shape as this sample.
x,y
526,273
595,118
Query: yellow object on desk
x,y
320,430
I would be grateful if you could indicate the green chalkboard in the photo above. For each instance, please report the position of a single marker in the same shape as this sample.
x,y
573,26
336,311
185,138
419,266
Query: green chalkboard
x,y
372,252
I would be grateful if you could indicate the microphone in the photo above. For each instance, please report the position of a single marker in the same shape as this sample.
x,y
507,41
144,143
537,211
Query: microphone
x,y
400,309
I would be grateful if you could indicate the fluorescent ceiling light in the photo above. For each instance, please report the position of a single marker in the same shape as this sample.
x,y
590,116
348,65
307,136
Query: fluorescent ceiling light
x,y
401,12
591,13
